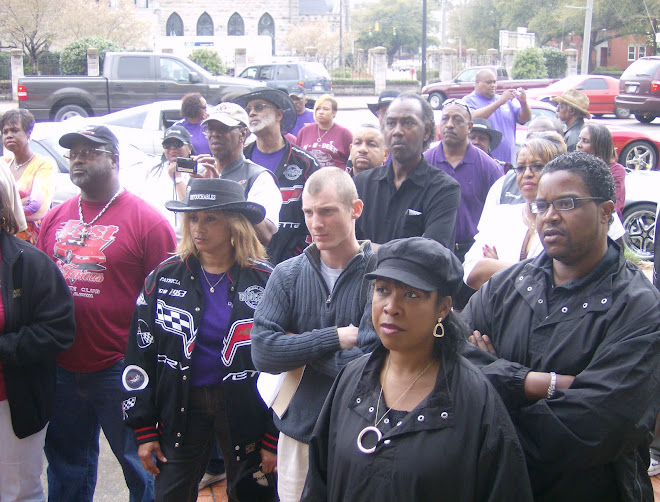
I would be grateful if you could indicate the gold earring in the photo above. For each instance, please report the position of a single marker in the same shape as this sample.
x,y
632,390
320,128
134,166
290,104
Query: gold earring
x,y
232,242
442,329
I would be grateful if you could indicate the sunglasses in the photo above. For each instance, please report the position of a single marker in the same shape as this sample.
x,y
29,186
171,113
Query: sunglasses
x,y
257,107
456,101
172,144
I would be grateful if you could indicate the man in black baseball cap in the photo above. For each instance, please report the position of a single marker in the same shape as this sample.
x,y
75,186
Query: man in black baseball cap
x,y
305,115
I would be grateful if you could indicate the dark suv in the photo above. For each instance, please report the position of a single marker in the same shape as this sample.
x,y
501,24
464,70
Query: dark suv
x,y
312,76
639,89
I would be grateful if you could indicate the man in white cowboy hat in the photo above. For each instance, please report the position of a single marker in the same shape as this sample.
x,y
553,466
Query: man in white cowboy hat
x,y
272,114
572,110
226,129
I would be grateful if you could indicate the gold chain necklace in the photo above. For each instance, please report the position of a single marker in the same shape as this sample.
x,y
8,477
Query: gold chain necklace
x,y
18,166
375,428
212,287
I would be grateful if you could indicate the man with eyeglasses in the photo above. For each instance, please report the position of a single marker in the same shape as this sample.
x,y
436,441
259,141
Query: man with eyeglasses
x,y
272,114
407,197
571,341
105,242
503,110
226,129
474,170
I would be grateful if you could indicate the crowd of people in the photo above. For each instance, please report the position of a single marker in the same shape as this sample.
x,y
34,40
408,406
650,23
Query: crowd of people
x,y
323,314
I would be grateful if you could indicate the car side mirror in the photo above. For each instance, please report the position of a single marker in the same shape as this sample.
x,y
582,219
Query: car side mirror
x,y
194,78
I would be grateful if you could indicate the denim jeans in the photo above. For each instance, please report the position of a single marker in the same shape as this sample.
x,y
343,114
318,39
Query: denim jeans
x,y
85,402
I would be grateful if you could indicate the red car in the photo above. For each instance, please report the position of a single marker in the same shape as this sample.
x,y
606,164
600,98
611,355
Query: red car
x,y
600,89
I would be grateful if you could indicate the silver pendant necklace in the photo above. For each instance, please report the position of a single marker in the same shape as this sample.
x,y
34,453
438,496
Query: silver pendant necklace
x,y
17,166
87,226
318,131
365,440
212,287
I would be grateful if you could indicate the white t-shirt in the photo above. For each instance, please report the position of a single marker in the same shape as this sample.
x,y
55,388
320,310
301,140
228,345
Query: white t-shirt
x,y
330,275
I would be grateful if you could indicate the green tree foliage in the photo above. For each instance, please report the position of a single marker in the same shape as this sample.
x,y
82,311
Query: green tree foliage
x,y
529,63
73,59
377,23
555,62
478,21
208,59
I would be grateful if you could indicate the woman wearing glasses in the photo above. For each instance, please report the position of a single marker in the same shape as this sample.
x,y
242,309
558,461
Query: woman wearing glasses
x,y
507,234
33,173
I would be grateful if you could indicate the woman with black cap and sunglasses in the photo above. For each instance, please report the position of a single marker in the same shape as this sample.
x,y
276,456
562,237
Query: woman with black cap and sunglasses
x,y
189,377
414,420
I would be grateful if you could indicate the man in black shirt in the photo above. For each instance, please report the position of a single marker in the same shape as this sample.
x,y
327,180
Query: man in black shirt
x,y
408,197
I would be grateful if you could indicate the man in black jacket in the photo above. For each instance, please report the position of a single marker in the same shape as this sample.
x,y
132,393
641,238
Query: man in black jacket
x,y
571,341
272,114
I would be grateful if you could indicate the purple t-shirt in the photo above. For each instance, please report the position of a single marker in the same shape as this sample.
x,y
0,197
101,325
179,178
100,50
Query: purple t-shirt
x,y
475,173
503,119
306,117
207,368
199,142
268,160
332,150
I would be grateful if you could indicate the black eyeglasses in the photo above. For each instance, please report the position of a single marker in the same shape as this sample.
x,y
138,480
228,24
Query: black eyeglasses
x,y
86,153
456,101
535,168
257,107
563,204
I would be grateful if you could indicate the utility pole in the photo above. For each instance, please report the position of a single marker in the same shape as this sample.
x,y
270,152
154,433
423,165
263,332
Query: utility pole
x,y
424,43
341,35
586,36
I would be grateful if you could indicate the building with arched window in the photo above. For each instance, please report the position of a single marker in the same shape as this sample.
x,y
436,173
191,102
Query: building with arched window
x,y
190,18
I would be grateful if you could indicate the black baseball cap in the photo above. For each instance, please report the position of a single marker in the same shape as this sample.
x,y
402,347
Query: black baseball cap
x,y
178,132
96,134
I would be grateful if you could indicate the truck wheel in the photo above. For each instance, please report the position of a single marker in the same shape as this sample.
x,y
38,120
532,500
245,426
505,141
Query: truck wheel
x,y
436,99
645,118
70,111
622,113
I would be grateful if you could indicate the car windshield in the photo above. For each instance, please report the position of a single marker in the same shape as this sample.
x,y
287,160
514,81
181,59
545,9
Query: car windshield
x,y
315,70
642,68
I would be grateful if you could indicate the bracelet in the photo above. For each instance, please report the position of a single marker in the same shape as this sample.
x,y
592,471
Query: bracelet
x,y
553,384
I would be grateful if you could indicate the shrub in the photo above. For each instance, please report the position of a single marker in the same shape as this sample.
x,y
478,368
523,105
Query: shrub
x,y
529,63
353,81
73,59
208,59
555,62
49,64
338,73
5,65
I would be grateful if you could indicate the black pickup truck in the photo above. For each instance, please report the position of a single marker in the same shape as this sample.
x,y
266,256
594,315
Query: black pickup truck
x,y
129,79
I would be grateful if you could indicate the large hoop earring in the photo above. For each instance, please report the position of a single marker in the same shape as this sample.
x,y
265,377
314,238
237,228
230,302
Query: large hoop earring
x,y
442,329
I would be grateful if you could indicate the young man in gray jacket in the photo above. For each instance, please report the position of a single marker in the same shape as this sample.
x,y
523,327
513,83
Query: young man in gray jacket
x,y
307,323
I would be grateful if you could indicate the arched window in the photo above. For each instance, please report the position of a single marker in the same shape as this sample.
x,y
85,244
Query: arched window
x,y
174,26
235,26
205,26
267,27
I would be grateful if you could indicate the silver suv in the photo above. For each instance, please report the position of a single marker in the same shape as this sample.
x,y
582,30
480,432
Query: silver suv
x,y
312,76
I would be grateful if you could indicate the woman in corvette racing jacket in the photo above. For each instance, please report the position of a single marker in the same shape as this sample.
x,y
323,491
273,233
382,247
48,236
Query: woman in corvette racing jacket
x,y
189,377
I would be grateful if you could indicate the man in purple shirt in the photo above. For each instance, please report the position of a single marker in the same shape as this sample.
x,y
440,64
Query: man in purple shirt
x,y
472,168
503,111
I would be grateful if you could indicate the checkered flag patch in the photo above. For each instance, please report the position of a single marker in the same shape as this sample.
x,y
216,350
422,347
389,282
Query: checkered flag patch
x,y
179,322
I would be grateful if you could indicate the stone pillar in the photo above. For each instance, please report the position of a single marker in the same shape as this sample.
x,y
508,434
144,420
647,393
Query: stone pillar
x,y
240,60
93,62
493,56
571,62
508,55
370,61
471,58
16,71
310,53
446,60
432,59
380,68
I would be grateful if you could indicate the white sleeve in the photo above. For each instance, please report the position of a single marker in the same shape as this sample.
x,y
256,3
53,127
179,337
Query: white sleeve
x,y
475,253
494,194
264,191
616,228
